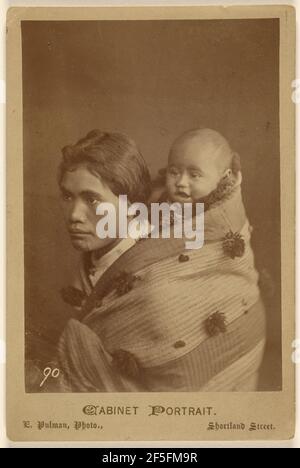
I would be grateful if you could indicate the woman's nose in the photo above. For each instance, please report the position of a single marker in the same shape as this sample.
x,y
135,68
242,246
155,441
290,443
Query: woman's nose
x,y
77,213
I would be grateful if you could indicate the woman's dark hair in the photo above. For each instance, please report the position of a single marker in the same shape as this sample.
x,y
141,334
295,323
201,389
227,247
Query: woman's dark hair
x,y
115,158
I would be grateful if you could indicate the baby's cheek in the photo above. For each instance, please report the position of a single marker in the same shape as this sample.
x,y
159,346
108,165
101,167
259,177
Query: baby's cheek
x,y
198,190
204,187
170,184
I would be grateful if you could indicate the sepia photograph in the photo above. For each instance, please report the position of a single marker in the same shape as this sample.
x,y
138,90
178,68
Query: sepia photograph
x,y
150,160
107,105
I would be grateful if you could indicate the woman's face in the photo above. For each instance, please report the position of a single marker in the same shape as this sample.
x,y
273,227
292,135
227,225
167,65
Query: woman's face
x,y
81,193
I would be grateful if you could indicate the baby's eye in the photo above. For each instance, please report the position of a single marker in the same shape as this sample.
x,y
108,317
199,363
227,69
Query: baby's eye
x,y
195,175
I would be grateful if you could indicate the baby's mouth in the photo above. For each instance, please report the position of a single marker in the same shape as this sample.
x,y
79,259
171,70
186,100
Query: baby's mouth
x,y
182,195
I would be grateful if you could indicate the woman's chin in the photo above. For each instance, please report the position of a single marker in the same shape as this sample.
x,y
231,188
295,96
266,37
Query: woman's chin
x,y
81,245
94,245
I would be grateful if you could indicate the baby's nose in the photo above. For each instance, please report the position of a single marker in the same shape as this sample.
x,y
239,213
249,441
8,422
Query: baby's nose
x,y
182,180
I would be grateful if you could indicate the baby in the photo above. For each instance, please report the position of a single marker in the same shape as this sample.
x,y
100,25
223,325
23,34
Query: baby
x,y
203,168
199,161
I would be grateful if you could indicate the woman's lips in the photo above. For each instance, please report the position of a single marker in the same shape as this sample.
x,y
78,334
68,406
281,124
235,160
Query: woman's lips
x,y
78,233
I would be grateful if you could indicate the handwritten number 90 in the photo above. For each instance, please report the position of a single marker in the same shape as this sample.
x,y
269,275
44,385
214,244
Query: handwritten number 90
x,y
48,372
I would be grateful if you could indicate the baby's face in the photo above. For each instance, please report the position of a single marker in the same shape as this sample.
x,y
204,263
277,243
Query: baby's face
x,y
193,172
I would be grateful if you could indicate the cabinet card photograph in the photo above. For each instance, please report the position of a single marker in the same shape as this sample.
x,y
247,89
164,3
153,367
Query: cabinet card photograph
x,y
150,214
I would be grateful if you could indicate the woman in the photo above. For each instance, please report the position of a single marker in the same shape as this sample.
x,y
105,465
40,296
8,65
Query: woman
x,y
140,325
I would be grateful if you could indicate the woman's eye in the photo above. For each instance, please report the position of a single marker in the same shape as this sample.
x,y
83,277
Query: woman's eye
x,y
92,201
66,197
195,175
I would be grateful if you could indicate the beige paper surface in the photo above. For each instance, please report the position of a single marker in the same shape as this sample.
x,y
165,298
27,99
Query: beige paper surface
x,y
46,93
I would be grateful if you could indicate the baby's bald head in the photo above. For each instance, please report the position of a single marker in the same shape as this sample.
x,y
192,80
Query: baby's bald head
x,y
198,160
204,143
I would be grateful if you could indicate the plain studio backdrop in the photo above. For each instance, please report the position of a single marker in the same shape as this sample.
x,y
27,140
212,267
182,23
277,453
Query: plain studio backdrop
x,y
152,80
